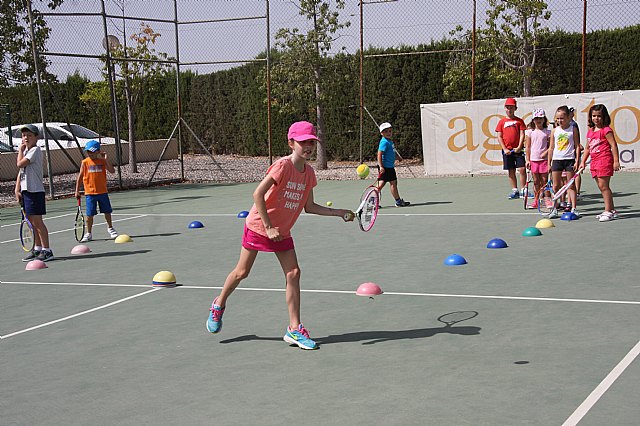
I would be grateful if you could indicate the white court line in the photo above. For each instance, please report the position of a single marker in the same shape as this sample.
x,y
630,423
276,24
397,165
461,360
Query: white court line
x,y
315,215
45,218
71,229
604,385
389,293
15,333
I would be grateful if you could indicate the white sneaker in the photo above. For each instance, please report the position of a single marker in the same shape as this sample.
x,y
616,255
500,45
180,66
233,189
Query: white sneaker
x,y
113,234
605,217
86,238
575,211
553,214
613,212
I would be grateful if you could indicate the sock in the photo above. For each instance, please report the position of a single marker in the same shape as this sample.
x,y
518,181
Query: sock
x,y
37,248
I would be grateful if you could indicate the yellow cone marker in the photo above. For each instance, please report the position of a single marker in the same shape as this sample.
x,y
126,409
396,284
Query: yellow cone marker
x,y
544,223
123,238
164,279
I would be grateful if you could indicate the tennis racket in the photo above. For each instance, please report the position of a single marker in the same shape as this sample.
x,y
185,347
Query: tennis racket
x,y
367,211
455,317
26,230
546,200
527,189
79,226
567,185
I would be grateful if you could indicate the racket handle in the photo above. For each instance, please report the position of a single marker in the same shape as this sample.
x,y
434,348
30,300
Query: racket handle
x,y
349,216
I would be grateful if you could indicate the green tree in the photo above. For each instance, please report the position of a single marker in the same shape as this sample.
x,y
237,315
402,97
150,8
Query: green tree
x,y
138,70
513,31
96,98
15,42
506,51
297,77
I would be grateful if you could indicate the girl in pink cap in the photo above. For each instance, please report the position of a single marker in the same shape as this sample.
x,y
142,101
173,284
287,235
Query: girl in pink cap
x,y
279,199
537,144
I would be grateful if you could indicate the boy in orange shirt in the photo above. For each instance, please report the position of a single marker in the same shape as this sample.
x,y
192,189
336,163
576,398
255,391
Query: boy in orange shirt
x,y
93,176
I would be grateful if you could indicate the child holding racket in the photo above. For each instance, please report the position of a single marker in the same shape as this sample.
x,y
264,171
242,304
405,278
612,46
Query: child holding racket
x,y
537,144
30,191
93,176
564,149
603,149
510,130
387,164
279,199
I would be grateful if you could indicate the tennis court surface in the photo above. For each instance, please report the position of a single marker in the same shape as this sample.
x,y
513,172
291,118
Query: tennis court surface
x,y
555,340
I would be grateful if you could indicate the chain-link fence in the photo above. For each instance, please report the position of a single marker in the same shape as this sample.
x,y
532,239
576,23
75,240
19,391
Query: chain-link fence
x,y
126,61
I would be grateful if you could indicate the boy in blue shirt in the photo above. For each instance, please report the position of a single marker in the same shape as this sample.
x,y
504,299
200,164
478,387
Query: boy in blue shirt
x,y
386,164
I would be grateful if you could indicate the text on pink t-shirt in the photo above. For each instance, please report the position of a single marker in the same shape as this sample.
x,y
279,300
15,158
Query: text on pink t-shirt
x,y
285,199
598,143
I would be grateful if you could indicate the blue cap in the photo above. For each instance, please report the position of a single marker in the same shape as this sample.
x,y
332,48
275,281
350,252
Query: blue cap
x,y
92,146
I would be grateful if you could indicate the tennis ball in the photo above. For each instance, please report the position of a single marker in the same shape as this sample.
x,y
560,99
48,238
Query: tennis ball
x,y
329,203
362,171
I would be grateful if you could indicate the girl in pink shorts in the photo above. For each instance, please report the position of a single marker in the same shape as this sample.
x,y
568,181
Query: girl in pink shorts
x,y
279,199
603,149
537,145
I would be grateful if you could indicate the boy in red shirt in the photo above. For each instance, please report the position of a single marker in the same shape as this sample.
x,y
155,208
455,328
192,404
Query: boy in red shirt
x,y
93,176
510,132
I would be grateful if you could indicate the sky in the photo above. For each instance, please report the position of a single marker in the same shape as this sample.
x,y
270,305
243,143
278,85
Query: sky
x,y
386,24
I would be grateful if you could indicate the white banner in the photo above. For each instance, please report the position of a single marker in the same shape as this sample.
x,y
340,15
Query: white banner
x,y
459,138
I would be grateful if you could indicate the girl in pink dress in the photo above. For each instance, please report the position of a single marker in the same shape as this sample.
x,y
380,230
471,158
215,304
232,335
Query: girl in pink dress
x,y
603,149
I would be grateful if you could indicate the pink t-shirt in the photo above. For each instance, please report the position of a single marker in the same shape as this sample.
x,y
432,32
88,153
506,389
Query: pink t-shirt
x,y
539,142
285,199
598,144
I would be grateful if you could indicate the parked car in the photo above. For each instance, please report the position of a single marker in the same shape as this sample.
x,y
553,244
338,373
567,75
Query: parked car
x,y
60,131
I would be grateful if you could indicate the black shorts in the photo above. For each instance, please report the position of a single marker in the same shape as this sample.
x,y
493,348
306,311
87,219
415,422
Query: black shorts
x,y
389,175
34,203
562,165
513,161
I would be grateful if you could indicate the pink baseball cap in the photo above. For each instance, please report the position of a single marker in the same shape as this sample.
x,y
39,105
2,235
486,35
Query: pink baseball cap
x,y
302,131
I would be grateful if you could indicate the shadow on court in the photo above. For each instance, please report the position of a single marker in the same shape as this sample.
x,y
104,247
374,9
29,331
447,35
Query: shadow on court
x,y
372,337
166,234
97,255
427,203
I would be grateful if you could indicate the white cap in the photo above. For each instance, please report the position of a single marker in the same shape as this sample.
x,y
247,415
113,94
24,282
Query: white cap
x,y
385,126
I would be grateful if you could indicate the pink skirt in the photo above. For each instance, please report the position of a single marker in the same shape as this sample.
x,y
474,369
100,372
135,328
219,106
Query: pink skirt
x,y
254,241
601,167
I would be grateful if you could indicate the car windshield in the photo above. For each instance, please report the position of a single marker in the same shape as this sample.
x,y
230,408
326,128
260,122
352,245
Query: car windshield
x,y
56,133
80,132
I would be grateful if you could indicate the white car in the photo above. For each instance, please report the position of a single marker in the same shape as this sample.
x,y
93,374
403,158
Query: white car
x,y
60,131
